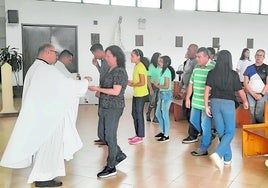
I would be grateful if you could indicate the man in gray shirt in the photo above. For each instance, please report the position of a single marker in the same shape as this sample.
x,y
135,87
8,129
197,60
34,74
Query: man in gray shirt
x,y
188,67
103,68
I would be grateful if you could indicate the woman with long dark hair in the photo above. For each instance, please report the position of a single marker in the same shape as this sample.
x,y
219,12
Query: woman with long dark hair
x,y
139,84
153,74
243,63
221,84
164,83
112,89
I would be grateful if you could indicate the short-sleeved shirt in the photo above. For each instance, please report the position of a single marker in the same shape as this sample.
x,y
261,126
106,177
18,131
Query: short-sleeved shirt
x,y
154,72
228,92
241,66
117,76
140,91
198,79
188,67
257,77
166,74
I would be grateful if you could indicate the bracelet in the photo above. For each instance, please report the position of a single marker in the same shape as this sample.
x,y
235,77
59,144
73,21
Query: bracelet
x,y
262,94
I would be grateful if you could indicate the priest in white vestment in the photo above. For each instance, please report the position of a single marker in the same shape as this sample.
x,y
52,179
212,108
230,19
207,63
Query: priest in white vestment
x,y
65,59
43,122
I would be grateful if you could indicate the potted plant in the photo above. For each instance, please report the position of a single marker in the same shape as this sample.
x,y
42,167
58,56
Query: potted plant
x,y
14,59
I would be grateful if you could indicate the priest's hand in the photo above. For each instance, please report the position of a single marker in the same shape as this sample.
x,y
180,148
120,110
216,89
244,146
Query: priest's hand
x,y
93,88
88,78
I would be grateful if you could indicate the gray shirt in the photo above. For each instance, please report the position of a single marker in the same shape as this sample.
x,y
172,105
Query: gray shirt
x,y
187,71
103,68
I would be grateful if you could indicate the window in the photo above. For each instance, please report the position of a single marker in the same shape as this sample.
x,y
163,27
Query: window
x,y
264,6
225,5
184,4
207,5
131,3
104,2
70,0
250,6
151,3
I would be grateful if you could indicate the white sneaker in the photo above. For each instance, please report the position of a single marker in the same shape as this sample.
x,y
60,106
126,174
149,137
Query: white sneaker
x,y
227,162
218,161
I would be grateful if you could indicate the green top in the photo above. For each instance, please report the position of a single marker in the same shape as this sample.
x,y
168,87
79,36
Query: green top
x,y
166,74
154,72
198,79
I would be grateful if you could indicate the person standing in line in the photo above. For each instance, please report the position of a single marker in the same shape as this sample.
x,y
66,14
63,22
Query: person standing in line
x,y
188,67
196,87
103,68
243,63
164,83
139,84
153,73
42,131
212,53
256,85
221,84
112,89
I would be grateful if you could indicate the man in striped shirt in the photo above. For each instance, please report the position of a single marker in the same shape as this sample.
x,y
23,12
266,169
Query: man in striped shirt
x,y
198,117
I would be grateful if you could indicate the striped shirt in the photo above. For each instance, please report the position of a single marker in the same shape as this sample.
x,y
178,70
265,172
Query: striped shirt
x,y
198,79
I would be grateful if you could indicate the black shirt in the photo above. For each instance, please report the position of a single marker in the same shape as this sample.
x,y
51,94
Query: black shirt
x,y
228,92
117,76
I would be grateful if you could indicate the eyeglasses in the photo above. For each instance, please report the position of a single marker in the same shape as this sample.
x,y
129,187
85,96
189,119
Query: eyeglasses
x,y
259,55
57,53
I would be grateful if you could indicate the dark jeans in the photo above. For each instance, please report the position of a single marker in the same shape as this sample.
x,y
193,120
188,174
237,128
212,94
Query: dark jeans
x,y
154,98
110,119
137,114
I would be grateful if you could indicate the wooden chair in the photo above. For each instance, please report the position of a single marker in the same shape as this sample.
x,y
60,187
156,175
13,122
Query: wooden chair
x,y
255,137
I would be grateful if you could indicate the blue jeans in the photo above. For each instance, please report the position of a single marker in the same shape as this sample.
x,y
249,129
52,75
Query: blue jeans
x,y
223,112
202,123
137,114
162,111
257,108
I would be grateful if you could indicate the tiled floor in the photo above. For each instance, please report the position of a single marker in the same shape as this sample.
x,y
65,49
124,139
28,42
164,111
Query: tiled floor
x,y
148,165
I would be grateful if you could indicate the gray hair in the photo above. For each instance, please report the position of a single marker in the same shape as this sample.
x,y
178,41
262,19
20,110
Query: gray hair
x,y
42,48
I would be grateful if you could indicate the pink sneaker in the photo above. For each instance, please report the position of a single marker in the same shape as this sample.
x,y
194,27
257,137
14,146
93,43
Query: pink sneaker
x,y
136,140
131,138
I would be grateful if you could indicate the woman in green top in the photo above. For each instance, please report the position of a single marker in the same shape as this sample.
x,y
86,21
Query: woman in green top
x,y
153,74
165,97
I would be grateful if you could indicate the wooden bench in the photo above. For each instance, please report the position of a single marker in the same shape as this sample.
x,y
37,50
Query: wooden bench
x,y
176,105
242,115
177,109
255,137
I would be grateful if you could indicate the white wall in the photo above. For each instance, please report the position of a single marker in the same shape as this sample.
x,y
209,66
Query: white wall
x,y
159,35
2,24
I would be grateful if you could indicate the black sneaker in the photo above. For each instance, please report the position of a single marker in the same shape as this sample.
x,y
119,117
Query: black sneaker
x,y
107,172
50,183
120,159
189,140
159,135
163,139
